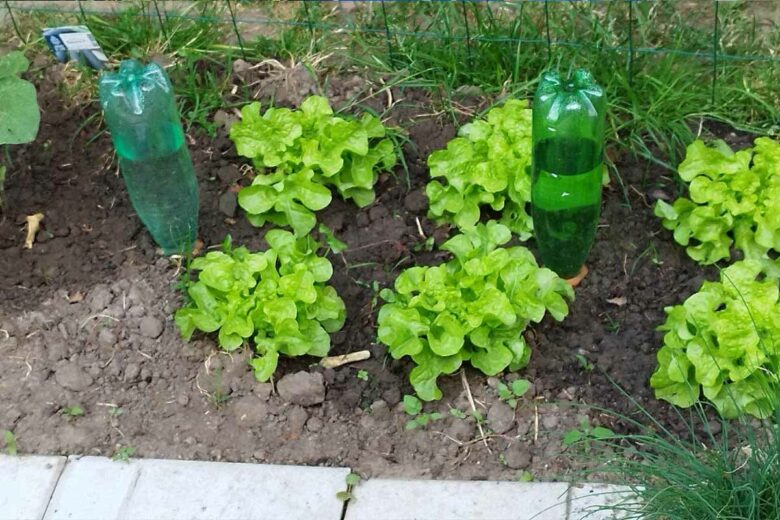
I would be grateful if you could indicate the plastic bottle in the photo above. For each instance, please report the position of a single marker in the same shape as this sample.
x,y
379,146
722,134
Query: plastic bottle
x,y
141,113
568,156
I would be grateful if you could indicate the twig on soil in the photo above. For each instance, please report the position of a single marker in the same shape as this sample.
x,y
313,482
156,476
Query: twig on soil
x,y
337,361
419,228
84,323
536,423
473,408
5,333
641,196
113,353
625,261
109,255
144,354
367,246
472,441
26,362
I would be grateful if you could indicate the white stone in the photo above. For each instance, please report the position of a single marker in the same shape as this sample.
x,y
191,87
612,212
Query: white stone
x,y
26,484
380,499
101,489
588,500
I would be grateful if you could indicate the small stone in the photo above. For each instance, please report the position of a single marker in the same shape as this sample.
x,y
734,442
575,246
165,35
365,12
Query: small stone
x,y
501,417
518,456
240,66
263,390
392,396
314,424
151,327
132,372
183,400
228,174
71,377
224,119
379,408
302,388
378,212
146,374
106,338
492,382
416,201
296,418
715,427
136,311
550,422
461,429
658,194
100,298
228,204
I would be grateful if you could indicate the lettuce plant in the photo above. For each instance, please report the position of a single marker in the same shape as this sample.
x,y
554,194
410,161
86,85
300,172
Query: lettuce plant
x,y
298,154
487,166
724,342
277,298
734,197
473,308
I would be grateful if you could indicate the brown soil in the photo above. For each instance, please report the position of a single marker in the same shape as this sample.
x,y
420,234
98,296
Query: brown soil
x,y
86,320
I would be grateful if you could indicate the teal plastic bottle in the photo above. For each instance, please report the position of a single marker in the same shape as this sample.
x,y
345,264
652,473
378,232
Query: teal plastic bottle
x,y
568,157
140,111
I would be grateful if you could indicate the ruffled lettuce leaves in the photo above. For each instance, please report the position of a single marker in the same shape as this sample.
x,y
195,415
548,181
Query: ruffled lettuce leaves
x,y
299,154
734,201
724,342
473,308
276,299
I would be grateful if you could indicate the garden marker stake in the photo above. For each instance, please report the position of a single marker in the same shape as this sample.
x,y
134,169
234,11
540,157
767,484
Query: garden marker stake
x,y
140,111
568,156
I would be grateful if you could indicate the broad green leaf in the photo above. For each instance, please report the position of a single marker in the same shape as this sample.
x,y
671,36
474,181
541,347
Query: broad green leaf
x,y
13,64
19,113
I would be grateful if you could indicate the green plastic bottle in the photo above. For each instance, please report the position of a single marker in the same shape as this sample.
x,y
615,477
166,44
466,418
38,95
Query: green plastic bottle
x,y
141,113
568,157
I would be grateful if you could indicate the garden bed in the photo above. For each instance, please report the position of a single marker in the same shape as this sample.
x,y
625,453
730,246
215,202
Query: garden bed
x,y
87,320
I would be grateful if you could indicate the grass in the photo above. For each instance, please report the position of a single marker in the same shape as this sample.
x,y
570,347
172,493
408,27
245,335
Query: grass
x,y
659,101
719,470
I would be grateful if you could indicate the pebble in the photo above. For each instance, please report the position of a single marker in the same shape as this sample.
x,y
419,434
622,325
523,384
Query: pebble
x,y
550,422
461,429
136,311
302,388
228,204
249,410
228,174
132,371
392,396
314,424
263,390
379,408
100,298
416,201
296,419
151,327
71,377
500,417
518,456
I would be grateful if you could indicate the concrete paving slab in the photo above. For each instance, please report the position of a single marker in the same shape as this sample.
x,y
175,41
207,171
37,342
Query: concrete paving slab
x,y
92,488
101,489
26,484
587,500
379,499
172,490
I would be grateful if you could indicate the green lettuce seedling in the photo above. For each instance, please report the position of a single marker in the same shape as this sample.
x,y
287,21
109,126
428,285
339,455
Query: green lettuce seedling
x,y
724,342
278,299
298,154
473,308
487,166
734,201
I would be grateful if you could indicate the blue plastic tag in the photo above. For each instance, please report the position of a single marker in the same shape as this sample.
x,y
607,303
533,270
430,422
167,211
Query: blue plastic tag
x,y
75,42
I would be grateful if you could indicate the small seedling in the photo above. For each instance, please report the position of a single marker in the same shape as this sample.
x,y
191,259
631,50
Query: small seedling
x,y
427,245
352,480
586,433
525,476
584,363
10,442
123,454
512,393
458,413
116,411
72,411
333,243
413,407
362,375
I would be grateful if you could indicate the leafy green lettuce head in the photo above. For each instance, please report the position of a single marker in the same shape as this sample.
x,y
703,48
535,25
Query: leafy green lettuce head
x,y
724,342
733,202
486,166
300,153
277,299
473,308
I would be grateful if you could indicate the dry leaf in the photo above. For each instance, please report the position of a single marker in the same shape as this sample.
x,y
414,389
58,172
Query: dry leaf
x,y
33,224
618,300
75,297
198,247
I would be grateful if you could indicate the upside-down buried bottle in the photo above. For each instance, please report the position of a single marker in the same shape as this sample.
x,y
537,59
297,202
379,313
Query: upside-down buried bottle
x,y
141,113
568,150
